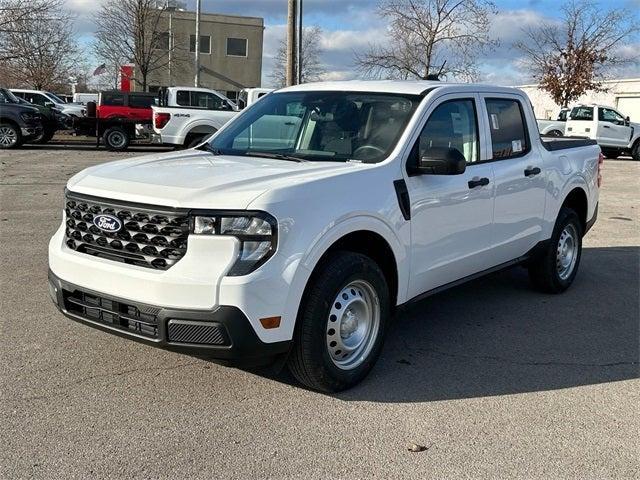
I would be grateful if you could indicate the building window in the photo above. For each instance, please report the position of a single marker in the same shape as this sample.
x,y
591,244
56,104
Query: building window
x,y
205,43
237,47
161,41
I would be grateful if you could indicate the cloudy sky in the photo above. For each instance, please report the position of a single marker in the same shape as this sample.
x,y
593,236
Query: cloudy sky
x,y
351,25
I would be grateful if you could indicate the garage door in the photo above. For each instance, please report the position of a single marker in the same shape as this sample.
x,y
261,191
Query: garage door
x,y
629,106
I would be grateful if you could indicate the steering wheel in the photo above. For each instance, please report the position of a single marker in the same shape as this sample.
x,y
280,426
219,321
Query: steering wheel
x,y
364,148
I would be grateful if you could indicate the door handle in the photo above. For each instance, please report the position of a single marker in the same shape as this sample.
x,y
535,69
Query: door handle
x,y
606,126
532,171
479,182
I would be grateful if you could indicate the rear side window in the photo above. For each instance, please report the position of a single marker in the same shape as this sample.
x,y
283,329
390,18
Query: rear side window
x,y
581,113
508,128
140,101
183,98
113,99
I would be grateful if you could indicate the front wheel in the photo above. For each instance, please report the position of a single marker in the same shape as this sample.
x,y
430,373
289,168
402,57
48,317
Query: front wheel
x,y
10,136
611,153
635,151
341,323
556,267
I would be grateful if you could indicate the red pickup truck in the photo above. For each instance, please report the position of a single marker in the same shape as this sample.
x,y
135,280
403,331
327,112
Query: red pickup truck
x,y
127,105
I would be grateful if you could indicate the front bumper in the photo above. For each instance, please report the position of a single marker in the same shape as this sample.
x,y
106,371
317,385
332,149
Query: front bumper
x,y
224,333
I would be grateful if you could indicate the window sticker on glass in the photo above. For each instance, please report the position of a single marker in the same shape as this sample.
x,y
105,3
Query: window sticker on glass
x,y
494,121
516,146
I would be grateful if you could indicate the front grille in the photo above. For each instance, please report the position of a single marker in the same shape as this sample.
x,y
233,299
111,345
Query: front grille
x,y
130,318
150,237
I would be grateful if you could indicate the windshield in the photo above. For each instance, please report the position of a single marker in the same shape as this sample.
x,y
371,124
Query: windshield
x,y
6,96
54,97
320,126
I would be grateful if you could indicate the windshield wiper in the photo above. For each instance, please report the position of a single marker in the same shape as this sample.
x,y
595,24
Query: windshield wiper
x,y
208,148
277,156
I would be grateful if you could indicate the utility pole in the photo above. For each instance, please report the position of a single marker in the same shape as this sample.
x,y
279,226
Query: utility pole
x,y
299,44
291,43
197,79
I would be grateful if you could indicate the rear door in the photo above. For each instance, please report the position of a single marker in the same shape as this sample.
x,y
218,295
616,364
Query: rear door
x,y
451,215
519,177
612,128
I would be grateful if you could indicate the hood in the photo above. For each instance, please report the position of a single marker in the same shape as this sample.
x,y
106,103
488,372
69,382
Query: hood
x,y
196,179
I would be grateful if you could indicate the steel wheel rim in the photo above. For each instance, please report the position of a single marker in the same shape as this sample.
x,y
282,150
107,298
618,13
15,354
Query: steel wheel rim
x,y
8,136
116,139
567,252
353,325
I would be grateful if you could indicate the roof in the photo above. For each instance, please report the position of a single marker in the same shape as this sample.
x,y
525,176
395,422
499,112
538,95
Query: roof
x,y
407,87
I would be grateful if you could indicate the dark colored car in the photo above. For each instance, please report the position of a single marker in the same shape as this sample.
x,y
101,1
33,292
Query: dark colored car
x,y
52,121
19,123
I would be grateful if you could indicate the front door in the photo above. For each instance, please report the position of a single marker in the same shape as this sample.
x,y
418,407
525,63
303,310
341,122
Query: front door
x,y
451,215
612,128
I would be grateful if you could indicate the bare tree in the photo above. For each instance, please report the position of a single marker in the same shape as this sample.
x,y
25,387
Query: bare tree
x,y
570,57
430,39
133,31
39,45
312,68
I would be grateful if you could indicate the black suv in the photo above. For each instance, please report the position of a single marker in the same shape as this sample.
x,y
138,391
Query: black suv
x,y
18,122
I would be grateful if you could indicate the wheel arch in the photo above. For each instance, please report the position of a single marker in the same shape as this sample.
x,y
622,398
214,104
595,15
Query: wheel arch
x,y
578,201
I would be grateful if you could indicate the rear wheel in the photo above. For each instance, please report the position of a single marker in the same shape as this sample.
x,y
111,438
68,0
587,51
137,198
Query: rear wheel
x,y
341,323
10,136
556,267
556,133
116,139
195,141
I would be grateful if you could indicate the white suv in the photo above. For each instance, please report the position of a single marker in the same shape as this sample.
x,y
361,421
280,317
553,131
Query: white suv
x,y
300,227
48,99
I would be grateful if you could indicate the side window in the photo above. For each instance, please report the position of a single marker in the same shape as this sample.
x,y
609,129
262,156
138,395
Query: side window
x,y
37,99
141,101
183,98
113,99
208,101
3,98
508,128
581,114
452,124
611,116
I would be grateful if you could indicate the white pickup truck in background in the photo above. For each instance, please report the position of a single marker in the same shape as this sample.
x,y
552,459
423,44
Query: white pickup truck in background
x,y
615,134
185,116
554,128
296,231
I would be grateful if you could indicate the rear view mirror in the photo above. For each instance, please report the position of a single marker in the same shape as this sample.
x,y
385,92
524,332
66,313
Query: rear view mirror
x,y
441,161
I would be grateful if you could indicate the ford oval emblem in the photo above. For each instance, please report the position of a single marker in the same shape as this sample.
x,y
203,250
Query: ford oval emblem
x,y
107,223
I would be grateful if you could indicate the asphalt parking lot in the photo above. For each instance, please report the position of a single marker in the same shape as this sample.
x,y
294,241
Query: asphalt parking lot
x,y
496,380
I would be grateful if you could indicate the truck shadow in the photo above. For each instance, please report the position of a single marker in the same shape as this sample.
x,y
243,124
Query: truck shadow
x,y
496,336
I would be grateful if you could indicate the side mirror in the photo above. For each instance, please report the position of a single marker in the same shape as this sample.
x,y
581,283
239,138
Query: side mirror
x,y
440,161
627,121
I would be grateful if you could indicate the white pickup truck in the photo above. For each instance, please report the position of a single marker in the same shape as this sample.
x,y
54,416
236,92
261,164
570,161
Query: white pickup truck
x,y
554,128
298,229
185,116
615,134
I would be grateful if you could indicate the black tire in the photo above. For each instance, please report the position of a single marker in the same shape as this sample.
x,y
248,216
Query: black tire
x,y
546,270
311,362
611,153
10,136
44,137
116,139
635,151
556,133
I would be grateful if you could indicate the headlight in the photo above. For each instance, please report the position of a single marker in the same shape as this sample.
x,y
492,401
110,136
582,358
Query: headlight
x,y
256,231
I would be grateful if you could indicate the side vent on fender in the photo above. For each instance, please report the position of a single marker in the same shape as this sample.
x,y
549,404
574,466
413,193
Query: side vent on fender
x,y
403,198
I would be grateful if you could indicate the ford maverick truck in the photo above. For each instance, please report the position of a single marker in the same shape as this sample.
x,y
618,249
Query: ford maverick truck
x,y
296,231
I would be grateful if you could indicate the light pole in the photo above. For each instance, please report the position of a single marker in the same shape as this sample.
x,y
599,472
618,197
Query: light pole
x,y
197,79
299,44
291,43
